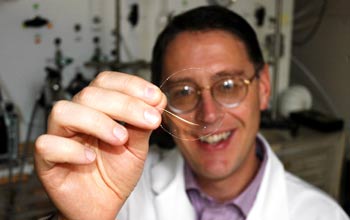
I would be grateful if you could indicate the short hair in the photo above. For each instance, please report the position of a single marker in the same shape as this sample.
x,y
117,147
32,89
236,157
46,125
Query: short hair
x,y
206,18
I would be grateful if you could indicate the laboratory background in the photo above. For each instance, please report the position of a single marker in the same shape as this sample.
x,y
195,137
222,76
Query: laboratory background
x,y
50,50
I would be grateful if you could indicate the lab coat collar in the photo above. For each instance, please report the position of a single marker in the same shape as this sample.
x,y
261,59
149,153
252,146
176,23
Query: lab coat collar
x,y
172,202
271,201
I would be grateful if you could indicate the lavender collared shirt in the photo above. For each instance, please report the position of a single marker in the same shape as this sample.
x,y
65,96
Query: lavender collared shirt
x,y
236,209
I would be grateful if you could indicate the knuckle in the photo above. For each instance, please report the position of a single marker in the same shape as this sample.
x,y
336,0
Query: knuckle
x,y
41,145
127,106
129,82
86,95
98,122
58,109
101,78
132,106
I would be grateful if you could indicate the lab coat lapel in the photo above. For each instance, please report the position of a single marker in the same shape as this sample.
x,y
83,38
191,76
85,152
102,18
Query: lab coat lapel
x,y
271,201
171,200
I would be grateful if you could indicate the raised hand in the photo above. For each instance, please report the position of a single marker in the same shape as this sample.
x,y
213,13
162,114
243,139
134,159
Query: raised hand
x,y
88,162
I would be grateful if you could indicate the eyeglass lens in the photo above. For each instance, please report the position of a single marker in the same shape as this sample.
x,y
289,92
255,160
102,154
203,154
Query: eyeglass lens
x,y
182,97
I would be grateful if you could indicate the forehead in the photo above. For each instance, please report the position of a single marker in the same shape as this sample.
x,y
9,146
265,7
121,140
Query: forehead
x,y
215,51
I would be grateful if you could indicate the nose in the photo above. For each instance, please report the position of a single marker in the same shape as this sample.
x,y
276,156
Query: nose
x,y
208,109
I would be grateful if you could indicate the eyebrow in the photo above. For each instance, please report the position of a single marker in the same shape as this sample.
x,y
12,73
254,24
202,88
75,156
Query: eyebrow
x,y
215,77
225,73
180,80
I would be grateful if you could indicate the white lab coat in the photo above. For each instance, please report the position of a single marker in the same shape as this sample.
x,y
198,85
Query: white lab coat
x,y
160,193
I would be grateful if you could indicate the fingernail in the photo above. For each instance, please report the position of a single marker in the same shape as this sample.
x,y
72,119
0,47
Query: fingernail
x,y
119,133
150,93
151,116
90,154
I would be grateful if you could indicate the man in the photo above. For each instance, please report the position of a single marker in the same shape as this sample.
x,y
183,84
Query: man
x,y
95,168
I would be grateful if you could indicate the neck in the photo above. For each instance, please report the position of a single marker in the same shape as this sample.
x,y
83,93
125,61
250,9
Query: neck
x,y
231,186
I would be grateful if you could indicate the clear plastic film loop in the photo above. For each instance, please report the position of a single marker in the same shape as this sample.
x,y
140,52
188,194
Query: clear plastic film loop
x,y
183,118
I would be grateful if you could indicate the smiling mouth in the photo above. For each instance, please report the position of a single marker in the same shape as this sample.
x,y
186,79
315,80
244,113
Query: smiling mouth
x,y
216,138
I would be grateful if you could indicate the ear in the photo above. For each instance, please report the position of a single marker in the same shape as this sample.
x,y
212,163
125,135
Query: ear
x,y
264,87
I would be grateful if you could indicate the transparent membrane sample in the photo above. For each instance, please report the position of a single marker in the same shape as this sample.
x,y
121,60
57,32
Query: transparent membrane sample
x,y
188,125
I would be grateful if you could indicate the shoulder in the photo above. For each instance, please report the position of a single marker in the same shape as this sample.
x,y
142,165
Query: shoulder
x,y
159,162
159,167
305,200
302,200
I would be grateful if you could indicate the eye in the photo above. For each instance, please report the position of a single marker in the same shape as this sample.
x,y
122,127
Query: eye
x,y
184,91
181,91
227,85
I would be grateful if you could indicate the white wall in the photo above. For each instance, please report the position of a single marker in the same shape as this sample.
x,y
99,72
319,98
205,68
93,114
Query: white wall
x,y
22,61
327,56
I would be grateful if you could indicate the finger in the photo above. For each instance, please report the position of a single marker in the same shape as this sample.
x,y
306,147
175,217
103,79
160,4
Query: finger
x,y
50,150
68,119
120,106
139,142
162,103
130,85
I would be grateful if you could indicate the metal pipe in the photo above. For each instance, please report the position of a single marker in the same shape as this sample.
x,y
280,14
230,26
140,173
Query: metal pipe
x,y
117,31
277,49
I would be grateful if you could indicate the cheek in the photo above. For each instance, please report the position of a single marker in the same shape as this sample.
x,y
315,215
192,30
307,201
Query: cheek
x,y
248,113
187,150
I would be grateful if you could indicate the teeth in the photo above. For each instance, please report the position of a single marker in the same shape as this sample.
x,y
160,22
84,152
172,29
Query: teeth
x,y
211,139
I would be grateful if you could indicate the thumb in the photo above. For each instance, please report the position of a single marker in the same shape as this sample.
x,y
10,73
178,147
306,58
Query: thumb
x,y
138,142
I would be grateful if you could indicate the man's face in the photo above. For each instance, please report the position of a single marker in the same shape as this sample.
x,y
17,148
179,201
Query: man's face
x,y
231,149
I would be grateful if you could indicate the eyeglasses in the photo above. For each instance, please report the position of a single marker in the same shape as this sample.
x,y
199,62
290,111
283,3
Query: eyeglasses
x,y
229,91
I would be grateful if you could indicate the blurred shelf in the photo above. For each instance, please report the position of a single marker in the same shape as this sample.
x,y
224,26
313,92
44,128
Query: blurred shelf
x,y
316,157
